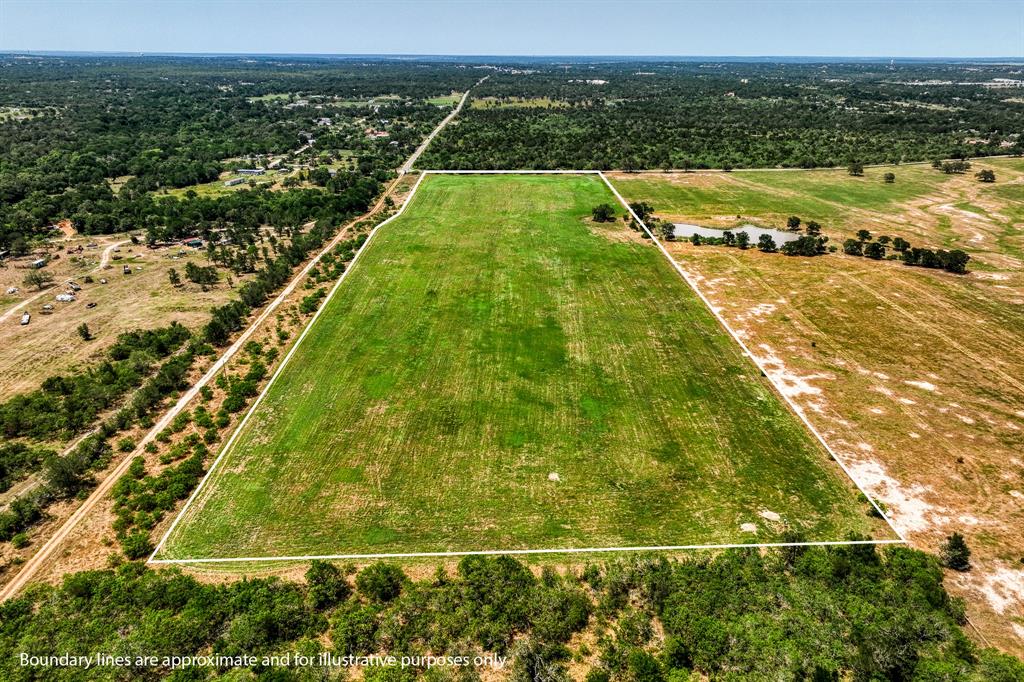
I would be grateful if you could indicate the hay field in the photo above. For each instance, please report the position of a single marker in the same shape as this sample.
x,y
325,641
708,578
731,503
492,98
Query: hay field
x,y
498,372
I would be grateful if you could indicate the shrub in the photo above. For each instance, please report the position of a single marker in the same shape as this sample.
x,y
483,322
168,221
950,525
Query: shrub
x,y
381,582
603,213
326,585
955,554
136,545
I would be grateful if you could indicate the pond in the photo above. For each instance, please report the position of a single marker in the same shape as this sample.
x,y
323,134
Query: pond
x,y
685,231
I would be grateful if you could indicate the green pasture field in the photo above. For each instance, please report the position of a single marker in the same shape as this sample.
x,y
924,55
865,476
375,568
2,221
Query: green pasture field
x,y
498,372
449,100
823,195
272,97
518,103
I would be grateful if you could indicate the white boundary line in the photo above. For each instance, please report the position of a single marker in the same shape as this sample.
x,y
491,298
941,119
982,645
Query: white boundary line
x,y
746,351
309,325
567,550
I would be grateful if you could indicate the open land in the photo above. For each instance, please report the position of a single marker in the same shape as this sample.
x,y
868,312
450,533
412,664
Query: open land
x,y
144,299
499,372
912,375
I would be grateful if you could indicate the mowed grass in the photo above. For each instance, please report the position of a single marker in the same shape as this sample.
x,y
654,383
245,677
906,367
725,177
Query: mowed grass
x,y
499,373
449,100
771,196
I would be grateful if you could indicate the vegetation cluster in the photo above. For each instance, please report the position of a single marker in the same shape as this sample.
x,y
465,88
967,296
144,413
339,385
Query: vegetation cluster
x,y
821,613
691,115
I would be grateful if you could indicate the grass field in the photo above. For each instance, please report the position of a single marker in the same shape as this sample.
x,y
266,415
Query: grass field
x,y
489,341
449,100
517,103
913,376
728,199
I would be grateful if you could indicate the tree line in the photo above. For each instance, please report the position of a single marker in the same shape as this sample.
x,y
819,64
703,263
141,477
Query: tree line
x,y
821,613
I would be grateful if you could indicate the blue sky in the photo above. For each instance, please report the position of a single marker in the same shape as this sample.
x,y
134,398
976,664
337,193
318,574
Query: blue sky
x,y
897,28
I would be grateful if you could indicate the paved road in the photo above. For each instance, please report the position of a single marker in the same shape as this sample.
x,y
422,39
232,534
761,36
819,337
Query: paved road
x,y
104,259
44,553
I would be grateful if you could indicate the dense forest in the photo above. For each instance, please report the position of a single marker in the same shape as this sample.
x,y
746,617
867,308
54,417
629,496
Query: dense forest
x,y
798,614
731,115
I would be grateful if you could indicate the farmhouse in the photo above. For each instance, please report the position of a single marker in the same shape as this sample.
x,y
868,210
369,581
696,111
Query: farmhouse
x,y
234,181
250,171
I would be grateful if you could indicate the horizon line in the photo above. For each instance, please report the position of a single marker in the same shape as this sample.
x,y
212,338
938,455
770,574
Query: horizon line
x,y
43,52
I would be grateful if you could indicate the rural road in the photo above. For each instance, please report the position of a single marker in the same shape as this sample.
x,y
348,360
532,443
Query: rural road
x,y
104,259
407,166
32,566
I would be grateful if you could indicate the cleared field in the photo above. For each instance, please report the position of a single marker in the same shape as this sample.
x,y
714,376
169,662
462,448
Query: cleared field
x,y
831,197
145,299
517,103
500,373
913,376
449,100
218,188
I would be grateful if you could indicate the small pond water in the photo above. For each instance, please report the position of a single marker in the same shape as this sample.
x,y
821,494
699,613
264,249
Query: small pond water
x,y
685,231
